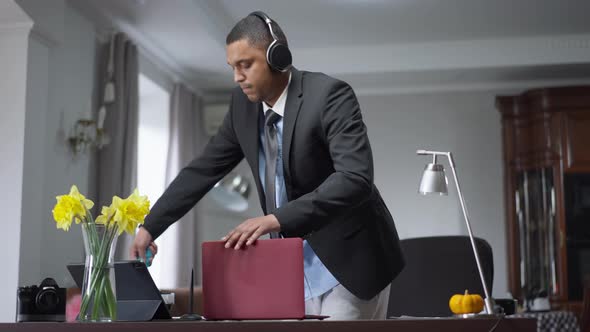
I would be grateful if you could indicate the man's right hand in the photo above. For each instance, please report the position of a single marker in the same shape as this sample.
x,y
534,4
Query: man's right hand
x,y
143,240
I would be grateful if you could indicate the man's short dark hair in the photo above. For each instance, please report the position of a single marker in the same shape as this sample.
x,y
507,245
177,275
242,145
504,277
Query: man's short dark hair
x,y
255,30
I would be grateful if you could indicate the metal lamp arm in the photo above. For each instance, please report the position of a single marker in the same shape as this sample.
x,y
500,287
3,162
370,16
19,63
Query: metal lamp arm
x,y
488,300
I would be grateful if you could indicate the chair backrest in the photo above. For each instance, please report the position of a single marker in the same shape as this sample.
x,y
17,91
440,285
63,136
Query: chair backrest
x,y
436,268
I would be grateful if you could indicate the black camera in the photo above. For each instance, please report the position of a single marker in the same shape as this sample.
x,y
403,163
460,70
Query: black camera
x,y
43,303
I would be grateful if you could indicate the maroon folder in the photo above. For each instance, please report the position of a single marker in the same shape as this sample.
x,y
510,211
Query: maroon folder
x,y
262,281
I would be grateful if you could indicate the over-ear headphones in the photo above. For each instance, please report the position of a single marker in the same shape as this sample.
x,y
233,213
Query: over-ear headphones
x,y
278,55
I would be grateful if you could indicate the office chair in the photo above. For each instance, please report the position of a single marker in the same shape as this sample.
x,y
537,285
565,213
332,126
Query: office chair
x,y
436,268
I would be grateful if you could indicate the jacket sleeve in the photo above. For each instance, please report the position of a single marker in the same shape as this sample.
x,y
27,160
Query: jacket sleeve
x,y
221,154
351,182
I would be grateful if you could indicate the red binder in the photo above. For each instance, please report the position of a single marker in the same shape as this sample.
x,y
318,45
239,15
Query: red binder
x,y
262,281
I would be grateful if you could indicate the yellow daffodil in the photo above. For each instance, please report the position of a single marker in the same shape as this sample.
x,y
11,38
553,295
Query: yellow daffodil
x,y
70,207
127,213
106,216
123,215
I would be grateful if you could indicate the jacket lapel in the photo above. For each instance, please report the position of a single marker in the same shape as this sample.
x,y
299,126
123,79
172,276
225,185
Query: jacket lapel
x,y
292,107
252,146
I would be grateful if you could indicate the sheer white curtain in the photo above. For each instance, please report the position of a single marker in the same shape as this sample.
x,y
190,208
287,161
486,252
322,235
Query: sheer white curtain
x,y
178,249
116,166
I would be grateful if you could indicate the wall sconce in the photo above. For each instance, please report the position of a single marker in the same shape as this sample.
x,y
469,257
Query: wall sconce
x,y
232,192
89,134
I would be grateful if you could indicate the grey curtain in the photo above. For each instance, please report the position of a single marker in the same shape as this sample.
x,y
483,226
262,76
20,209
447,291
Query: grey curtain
x,y
179,250
116,165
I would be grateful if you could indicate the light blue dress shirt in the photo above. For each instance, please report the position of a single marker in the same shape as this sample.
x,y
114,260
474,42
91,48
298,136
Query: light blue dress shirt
x,y
318,280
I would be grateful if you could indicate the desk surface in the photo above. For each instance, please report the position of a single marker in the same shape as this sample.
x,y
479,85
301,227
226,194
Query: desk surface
x,y
446,324
563,321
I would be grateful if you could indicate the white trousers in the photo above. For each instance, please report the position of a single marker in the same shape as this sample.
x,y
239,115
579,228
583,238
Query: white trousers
x,y
340,304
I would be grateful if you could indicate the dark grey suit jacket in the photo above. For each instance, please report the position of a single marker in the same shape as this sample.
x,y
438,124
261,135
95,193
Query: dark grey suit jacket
x,y
328,171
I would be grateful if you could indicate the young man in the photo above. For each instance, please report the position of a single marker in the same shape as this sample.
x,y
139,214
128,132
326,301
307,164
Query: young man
x,y
304,138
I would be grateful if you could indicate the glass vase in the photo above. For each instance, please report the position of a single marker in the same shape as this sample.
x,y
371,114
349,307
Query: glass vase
x,y
99,300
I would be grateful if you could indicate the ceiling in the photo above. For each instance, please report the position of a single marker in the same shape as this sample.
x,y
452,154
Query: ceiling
x,y
376,45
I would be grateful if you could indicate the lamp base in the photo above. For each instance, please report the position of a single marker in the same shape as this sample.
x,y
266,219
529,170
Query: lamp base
x,y
191,317
477,316
489,303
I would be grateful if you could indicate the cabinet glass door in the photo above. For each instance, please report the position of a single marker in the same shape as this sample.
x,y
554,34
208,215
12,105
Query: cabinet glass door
x,y
535,213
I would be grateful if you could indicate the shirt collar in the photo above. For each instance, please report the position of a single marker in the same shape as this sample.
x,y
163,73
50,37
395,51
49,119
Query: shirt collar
x,y
279,106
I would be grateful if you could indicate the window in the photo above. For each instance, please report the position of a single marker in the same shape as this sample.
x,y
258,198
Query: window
x,y
152,145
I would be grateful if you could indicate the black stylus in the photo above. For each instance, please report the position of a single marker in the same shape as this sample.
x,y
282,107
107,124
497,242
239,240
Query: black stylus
x,y
191,314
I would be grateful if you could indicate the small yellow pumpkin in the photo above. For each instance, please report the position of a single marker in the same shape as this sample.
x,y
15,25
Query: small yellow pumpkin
x,y
466,303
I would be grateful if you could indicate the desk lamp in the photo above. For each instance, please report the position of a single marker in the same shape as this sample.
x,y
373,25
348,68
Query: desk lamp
x,y
434,181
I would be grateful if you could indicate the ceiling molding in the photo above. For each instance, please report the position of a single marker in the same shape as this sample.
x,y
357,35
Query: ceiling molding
x,y
12,16
481,64
425,58
467,87
43,38
487,53
16,26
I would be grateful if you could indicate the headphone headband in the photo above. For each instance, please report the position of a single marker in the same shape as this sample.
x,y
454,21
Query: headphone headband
x,y
278,55
266,20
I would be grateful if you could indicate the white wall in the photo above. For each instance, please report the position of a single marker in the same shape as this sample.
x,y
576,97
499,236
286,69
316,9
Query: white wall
x,y
14,30
34,163
60,87
465,123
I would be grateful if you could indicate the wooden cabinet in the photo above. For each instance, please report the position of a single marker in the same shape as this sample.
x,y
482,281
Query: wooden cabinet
x,y
546,150
576,139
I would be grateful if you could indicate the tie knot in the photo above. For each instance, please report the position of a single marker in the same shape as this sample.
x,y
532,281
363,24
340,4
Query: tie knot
x,y
270,118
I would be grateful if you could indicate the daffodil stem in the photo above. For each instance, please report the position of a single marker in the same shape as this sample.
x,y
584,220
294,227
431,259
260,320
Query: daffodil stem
x,y
100,291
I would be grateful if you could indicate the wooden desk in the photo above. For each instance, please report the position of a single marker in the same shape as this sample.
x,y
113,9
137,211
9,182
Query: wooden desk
x,y
410,325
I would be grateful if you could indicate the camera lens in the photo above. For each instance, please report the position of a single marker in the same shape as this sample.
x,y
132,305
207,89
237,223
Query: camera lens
x,y
47,300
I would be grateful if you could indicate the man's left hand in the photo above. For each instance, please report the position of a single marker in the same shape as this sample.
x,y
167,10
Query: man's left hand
x,y
250,230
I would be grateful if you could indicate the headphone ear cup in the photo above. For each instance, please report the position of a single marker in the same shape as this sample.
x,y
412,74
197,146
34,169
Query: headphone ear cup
x,y
279,57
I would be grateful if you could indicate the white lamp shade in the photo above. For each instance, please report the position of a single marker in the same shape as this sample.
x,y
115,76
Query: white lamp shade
x,y
434,180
